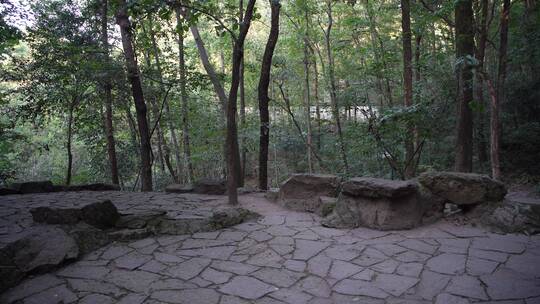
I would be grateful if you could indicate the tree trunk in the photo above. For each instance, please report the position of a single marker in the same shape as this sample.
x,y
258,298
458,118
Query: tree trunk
x,y
174,138
107,90
69,140
218,89
242,106
317,103
264,99
479,88
407,84
233,155
140,106
184,98
333,89
307,102
464,48
496,104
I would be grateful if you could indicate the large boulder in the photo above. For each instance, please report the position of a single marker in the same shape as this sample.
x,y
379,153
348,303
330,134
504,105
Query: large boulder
x,y
102,215
92,187
463,188
33,187
301,192
179,188
8,191
210,186
42,249
377,203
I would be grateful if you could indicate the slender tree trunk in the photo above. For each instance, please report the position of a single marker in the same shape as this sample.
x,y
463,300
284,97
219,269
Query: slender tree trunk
x,y
317,102
464,48
242,106
307,104
479,88
69,140
218,89
174,138
140,106
407,83
496,104
233,155
107,90
333,89
264,99
184,98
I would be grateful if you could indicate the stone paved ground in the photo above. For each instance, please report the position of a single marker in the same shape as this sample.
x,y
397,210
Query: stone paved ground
x,y
284,257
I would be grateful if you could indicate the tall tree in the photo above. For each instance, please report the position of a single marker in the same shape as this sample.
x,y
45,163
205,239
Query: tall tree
x,y
183,94
333,87
495,105
233,155
464,52
264,83
407,82
479,79
133,76
107,91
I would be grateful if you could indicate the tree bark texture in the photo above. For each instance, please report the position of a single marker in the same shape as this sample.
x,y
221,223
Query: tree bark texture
x,y
407,83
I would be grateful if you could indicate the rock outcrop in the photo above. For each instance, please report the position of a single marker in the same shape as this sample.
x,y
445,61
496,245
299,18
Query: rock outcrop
x,y
210,186
377,203
179,188
33,187
301,192
463,188
43,248
100,215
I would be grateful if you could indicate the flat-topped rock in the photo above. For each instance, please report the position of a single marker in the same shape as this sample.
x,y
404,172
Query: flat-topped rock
x,y
210,186
92,187
378,187
301,192
179,188
100,214
463,188
380,204
33,187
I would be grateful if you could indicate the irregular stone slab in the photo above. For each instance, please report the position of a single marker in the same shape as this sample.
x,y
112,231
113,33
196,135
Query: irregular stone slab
x,y
92,286
301,192
136,280
209,186
306,249
59,294
410,269
359,288
493,244
278,277
189,269
315,286
234,267
463,188
450,299
216,277
179,188
476,266
431,284
526,263
394,284
84,272
29,287
42,249
341,270
96,298
377,203
247,287
506,284
447,263
194,296
319,265
467,286
33,187
291,296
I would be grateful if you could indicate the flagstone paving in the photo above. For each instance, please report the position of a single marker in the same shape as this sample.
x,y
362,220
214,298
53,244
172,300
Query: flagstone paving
x,y
283,257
